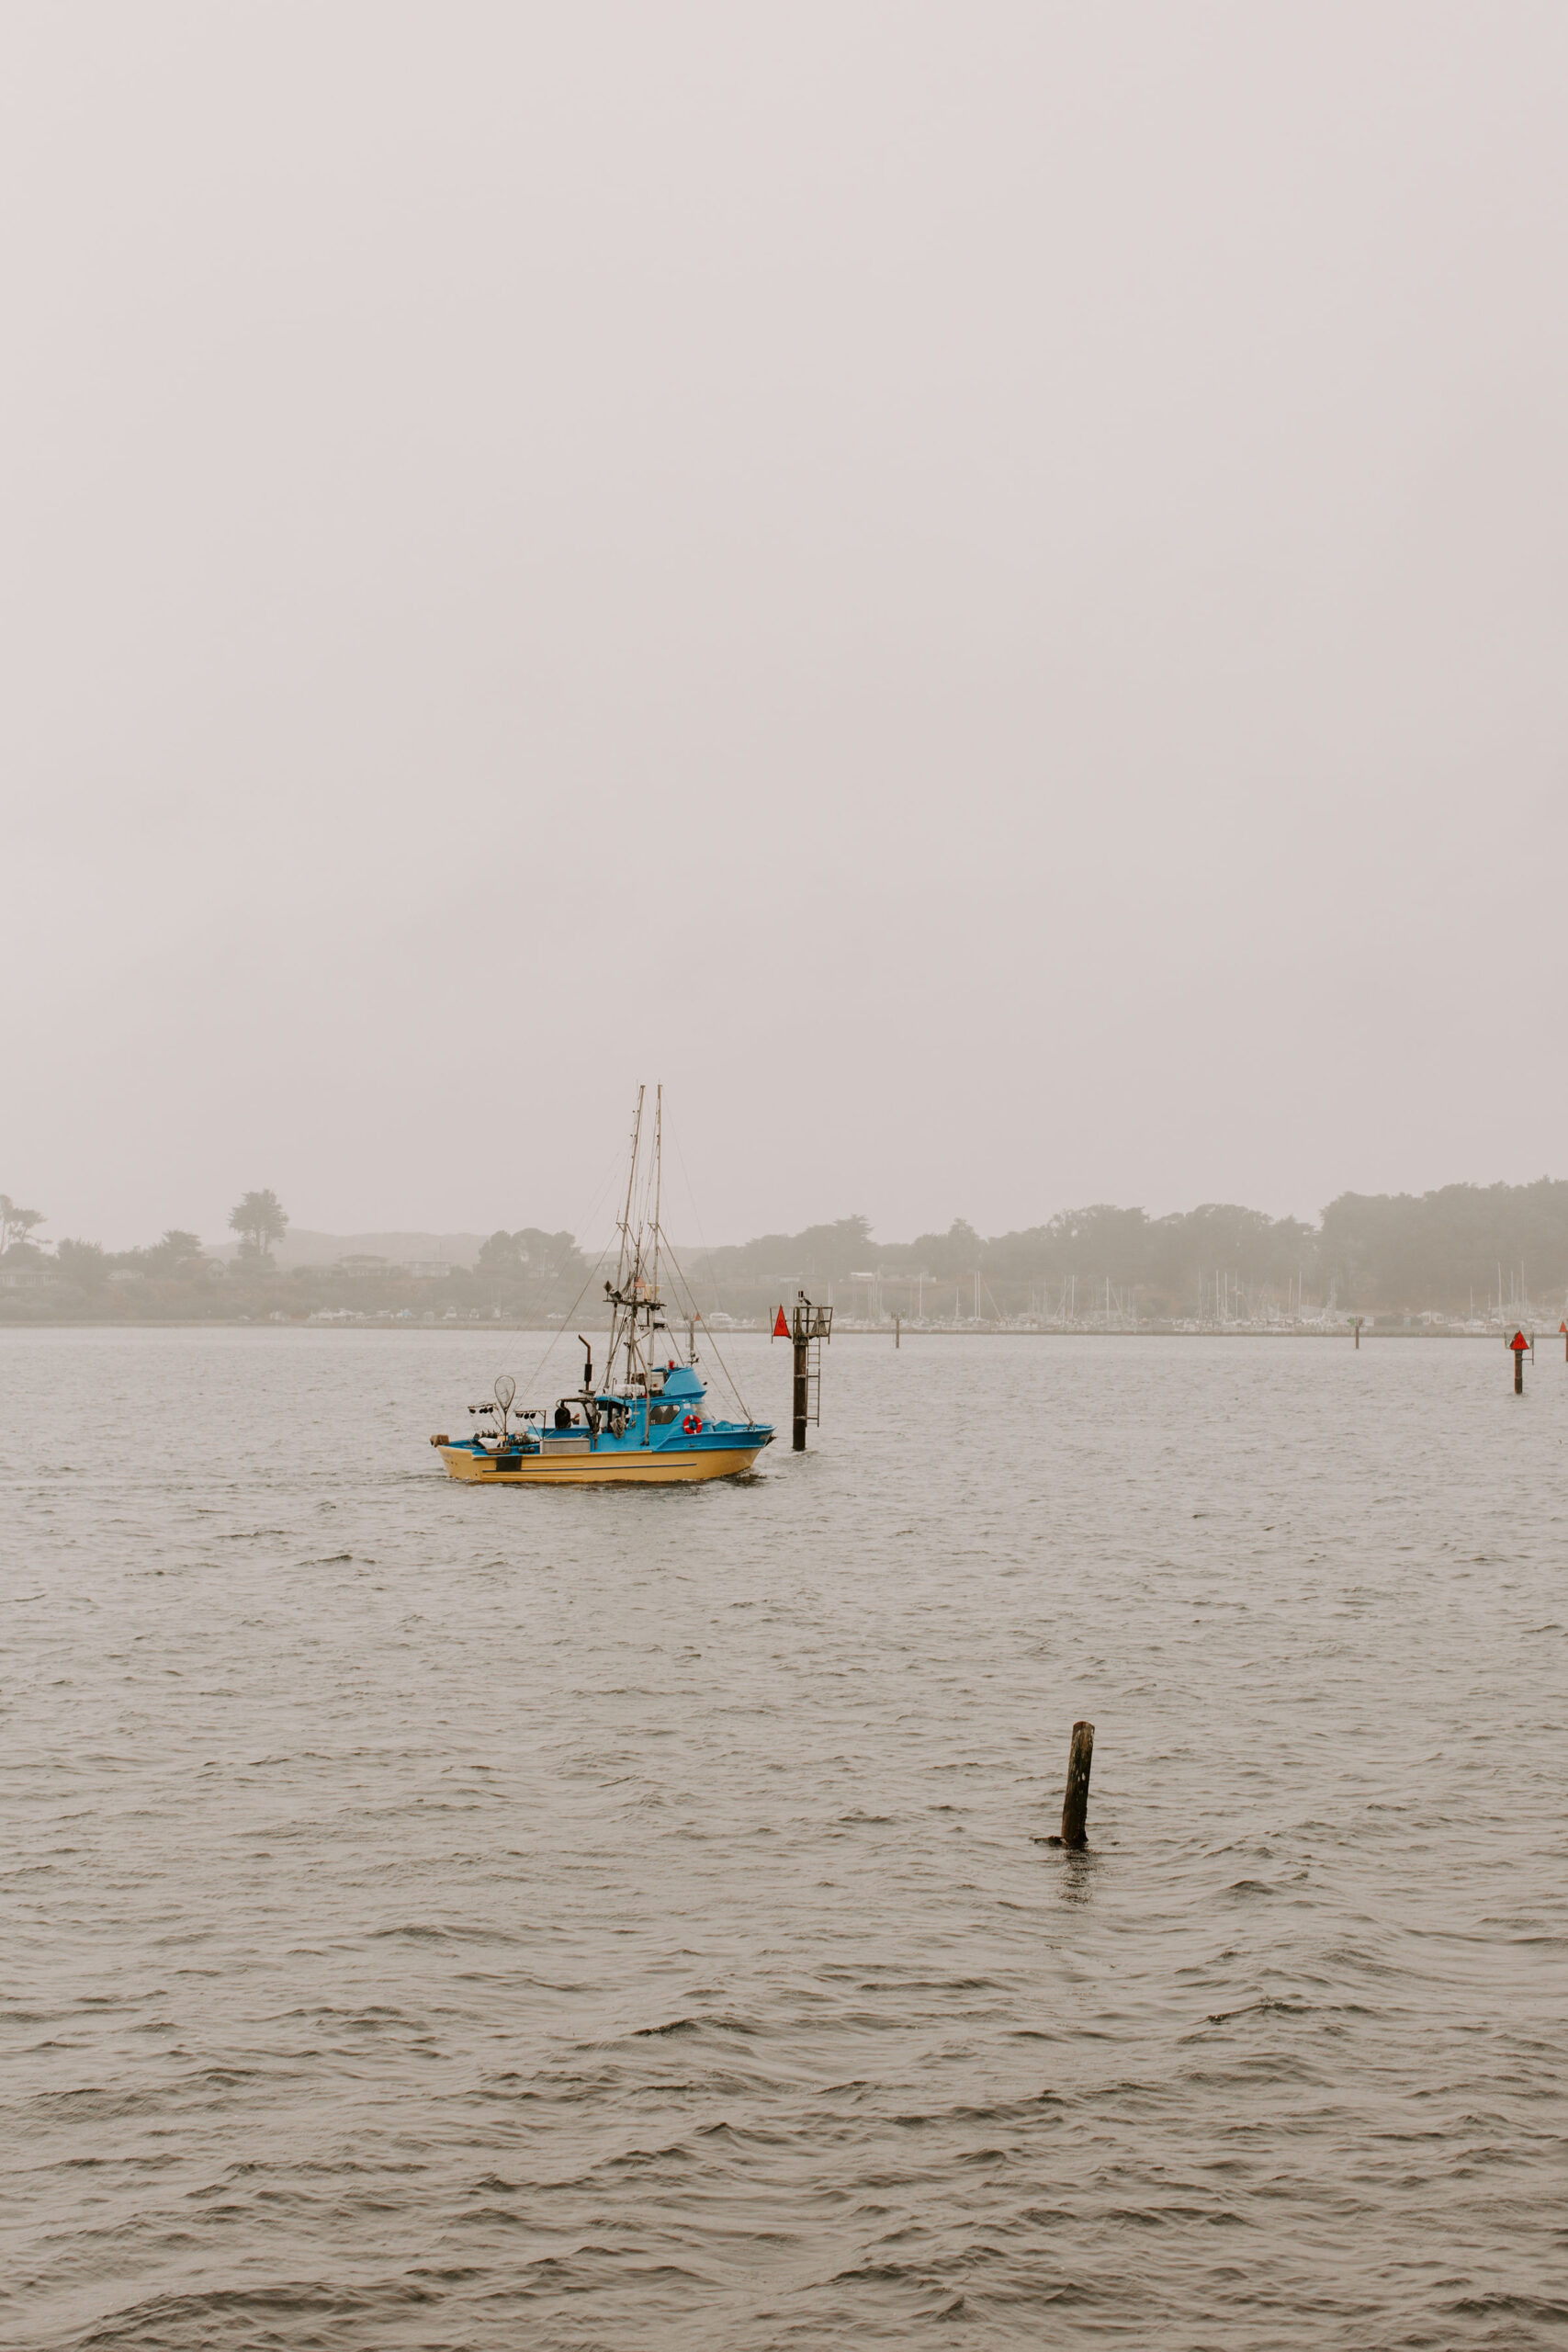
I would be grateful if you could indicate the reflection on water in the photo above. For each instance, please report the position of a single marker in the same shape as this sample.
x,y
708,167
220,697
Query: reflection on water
x,y
452,1919
1077,1867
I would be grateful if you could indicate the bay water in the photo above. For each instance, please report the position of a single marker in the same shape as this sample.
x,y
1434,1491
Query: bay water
x,y
440,1917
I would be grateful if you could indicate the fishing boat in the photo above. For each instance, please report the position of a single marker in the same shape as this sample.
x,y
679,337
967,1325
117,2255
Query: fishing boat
x,y
646,1423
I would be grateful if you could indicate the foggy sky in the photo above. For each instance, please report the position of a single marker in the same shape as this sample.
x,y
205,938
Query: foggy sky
x,y
981,590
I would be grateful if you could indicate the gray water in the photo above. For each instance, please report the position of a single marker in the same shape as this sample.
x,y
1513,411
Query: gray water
x,y
458,1920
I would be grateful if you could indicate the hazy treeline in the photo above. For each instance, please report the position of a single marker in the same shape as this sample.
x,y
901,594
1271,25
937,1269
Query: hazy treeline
x,y
1385,1252
1454,1250
1448,1247
524,1275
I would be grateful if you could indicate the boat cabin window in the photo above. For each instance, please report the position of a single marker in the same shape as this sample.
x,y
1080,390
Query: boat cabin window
x,y
662,1414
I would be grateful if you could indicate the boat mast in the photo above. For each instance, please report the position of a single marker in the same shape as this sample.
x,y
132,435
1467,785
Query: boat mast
x,y
634,1295
658,1204
629,1262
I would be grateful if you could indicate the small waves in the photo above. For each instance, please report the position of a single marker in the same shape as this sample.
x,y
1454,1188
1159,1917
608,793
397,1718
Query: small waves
x,y
595,1926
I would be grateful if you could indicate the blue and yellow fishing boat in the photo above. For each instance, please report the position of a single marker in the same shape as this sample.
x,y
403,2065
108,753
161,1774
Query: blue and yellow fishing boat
x,y
647,1423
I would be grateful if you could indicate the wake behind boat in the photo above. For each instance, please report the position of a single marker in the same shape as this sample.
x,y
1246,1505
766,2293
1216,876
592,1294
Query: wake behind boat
x,y
645,1424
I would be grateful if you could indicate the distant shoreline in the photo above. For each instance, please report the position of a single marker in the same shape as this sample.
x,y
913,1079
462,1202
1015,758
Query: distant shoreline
x,y
882,1335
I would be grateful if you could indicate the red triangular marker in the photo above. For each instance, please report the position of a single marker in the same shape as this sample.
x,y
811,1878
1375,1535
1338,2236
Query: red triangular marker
x,y
1519,1341
781,1328
1563,1327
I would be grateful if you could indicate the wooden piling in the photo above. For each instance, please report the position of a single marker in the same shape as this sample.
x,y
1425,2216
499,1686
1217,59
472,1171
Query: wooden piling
x,y
896,1328
802,1385
1075,1804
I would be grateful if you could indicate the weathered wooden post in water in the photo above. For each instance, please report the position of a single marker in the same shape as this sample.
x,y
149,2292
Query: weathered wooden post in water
x,y
1356,1327
896,1328
812,1324
1075,1804
1518,1344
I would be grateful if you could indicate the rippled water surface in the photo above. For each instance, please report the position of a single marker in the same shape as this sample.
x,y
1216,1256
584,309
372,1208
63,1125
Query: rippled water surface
x,y
458,1920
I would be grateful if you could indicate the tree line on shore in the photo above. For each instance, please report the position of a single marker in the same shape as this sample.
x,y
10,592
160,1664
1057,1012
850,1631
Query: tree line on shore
x,y
1460,1251
259,1219
173,1279
1452,1251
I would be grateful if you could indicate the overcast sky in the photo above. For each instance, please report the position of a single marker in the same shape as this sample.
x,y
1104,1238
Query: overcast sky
x,y
983,590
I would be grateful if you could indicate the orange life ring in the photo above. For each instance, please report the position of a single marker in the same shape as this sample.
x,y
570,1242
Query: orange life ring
x,y
692,1425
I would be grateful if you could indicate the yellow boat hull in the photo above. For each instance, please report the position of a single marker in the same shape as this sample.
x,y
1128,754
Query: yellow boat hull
x,y
652,1468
